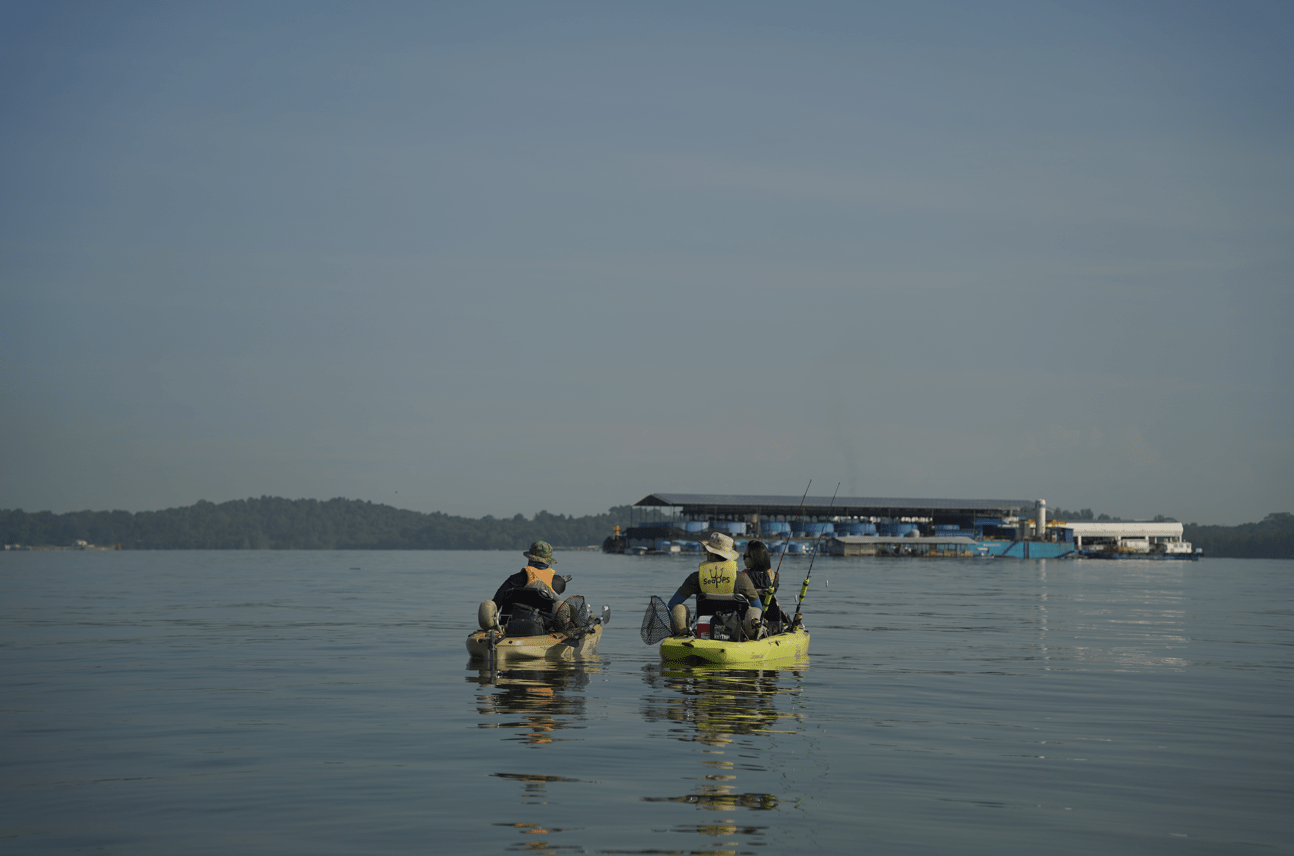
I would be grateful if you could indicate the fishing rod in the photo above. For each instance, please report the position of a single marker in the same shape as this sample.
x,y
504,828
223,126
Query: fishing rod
x,y
766,597
798,513
804,589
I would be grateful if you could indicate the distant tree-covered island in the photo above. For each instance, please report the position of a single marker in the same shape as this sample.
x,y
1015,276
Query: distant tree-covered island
x,y
273,523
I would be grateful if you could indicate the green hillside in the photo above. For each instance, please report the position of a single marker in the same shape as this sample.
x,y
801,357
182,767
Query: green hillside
x,y
272,523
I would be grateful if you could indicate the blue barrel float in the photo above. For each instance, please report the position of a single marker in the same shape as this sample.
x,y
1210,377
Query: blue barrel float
x,y
897,530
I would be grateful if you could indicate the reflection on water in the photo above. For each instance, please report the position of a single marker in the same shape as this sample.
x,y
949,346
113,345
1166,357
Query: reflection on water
x,y
1137,624
539,845
275,702
732,715
535,703
536,789
716,704
537,700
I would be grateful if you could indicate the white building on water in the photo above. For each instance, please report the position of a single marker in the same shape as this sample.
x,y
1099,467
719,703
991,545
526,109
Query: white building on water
x,y
1135,537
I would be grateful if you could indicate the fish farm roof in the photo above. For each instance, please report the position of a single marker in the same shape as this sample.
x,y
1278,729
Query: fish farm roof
x,y
959,540
843,506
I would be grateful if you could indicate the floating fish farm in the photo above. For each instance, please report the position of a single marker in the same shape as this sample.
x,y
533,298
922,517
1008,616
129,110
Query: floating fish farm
x,y
670,523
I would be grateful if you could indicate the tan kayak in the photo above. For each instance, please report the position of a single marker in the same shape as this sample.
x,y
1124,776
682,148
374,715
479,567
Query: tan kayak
x,y
574,645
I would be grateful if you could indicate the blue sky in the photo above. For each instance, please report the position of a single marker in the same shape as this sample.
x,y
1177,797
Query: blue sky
x,y
493,259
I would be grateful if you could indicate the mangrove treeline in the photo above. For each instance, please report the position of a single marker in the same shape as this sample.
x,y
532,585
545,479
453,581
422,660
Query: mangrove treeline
x,y
1272,538
272,523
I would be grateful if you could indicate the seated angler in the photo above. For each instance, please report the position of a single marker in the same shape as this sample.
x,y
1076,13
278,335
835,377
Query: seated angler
x,y
759,567
717,584
524,604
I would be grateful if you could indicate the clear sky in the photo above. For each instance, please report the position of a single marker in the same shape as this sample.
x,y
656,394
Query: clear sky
x,y
509,257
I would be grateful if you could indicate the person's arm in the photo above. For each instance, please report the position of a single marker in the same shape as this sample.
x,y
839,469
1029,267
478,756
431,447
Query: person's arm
x,y
691,586
746,587
511,583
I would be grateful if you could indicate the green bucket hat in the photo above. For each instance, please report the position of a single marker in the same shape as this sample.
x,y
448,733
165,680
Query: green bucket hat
x,y
540,551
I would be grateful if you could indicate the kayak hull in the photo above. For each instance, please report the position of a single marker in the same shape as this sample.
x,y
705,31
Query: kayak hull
x,y
782,646
549,646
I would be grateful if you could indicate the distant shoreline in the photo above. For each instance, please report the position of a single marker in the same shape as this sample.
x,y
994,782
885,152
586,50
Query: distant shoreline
x,y
273,523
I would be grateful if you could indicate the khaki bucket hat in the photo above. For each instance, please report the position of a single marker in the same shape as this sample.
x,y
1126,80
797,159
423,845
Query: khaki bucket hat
x,y
720,545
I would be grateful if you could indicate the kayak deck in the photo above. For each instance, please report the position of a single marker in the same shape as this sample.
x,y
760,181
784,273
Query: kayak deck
x,y
549,646
782,646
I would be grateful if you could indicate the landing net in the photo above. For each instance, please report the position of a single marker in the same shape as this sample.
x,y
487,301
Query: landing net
x,y
572,614
656,623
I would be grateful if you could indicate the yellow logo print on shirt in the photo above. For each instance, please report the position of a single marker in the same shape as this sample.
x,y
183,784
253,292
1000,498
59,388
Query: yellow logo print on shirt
x,y
717,579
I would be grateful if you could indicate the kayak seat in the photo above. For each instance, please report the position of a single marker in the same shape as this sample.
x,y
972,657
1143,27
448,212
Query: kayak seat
x,y
487,615
525,620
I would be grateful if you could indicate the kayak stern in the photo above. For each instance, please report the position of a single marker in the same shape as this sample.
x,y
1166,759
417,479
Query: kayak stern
x,y
783,646
548,646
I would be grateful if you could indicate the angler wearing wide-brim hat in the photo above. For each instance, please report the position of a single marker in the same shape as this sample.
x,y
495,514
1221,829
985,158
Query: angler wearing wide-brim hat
x,y
716,584
720,545
532,590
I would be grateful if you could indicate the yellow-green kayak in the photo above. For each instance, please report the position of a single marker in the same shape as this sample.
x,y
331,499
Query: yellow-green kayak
x,y
782,646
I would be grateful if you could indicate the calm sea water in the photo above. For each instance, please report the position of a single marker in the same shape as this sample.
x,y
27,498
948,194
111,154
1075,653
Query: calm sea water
x,y
320,702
